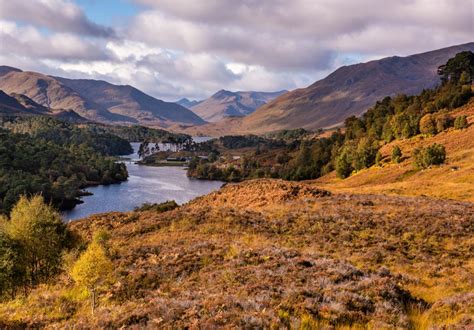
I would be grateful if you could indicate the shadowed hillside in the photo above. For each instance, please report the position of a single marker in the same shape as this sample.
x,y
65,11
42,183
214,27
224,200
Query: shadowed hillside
x,y
9,105
21,105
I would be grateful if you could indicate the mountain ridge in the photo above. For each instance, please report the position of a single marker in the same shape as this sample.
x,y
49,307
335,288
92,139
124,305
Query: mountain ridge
x,y
96,100
21,105
351,90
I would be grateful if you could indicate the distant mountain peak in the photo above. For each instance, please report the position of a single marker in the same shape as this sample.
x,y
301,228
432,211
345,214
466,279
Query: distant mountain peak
x,y
225,103
187,103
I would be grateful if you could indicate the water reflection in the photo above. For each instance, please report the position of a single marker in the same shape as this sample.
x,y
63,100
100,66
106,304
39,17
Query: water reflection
x,y
145,184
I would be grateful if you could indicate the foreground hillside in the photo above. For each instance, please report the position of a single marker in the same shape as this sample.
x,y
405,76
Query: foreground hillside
x,y
271,253
455,179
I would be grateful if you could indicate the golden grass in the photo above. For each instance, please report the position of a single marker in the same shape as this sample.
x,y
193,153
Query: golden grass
x,y
453,180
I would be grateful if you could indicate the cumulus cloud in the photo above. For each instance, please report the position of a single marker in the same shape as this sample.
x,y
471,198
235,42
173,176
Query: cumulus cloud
x,y
303,34
29,41
57,15
176,48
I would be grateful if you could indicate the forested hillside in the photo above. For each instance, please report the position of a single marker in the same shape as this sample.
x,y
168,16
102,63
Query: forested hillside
x,y
40,155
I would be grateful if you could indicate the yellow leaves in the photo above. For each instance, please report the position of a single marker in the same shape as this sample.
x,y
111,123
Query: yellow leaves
x,y
27,213
93,267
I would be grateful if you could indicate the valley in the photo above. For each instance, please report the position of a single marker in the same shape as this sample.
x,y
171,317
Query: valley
x,y
348,204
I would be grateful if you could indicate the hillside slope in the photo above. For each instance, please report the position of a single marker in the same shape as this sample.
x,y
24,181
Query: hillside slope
x,y
95,100
232,104
9,105
50,93
21,105
454,180
271,253
350,90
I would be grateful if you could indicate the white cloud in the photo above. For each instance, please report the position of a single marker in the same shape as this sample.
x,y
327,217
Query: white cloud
x,y
302,35
57,15
29,41
175,48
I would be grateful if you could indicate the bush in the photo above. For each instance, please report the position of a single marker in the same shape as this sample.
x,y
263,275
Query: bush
x,y
443,121
157,207
461,122
428,124
396,154
434,154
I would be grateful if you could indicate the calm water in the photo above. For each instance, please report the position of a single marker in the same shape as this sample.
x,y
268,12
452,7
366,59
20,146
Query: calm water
x,y
145,184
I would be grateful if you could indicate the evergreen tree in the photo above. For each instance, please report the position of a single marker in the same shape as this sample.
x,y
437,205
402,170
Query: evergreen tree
x,y
343,165
434,154
461,122
462,63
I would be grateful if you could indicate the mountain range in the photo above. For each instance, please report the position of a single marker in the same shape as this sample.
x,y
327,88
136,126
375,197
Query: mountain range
x,y
231,104
350,90
95,100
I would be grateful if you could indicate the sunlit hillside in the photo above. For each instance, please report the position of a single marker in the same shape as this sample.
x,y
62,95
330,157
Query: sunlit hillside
x,y
270,253
454,180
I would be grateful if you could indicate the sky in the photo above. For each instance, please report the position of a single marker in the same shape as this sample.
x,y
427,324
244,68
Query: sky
x,y
192,48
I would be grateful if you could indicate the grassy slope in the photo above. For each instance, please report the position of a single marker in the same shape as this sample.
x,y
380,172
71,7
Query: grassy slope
x,y
454,180
272,253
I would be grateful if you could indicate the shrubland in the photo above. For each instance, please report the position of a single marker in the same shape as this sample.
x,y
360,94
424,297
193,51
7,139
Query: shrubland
x,y
268,254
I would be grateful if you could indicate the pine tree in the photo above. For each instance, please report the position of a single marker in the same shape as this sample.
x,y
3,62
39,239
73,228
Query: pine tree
x,y
343,165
